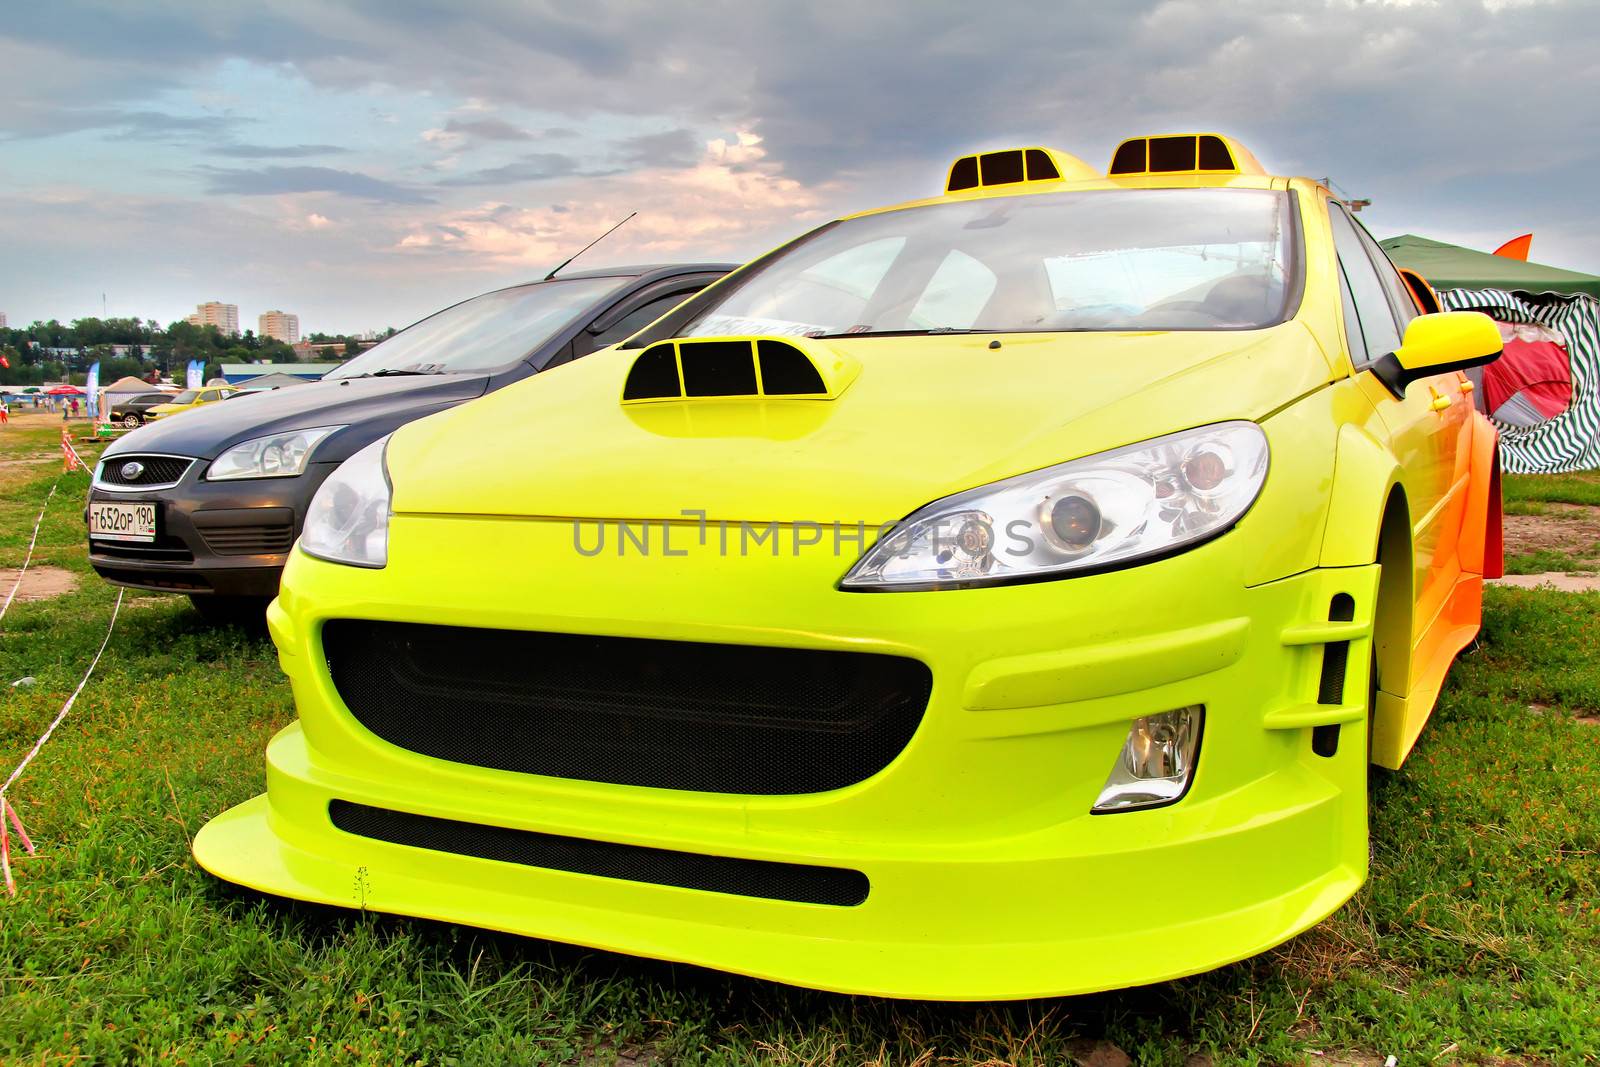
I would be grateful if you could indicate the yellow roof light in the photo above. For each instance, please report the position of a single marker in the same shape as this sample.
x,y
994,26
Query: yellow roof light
x,y
1016,166
1183,153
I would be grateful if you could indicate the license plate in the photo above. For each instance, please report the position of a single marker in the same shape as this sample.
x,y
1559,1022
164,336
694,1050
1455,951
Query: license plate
x,y
122,522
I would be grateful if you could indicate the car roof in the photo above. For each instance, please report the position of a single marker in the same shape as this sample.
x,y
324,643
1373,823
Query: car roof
x,y
639,270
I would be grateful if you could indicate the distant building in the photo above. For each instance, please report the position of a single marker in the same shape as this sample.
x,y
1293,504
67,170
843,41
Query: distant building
x,y
225,317
2,320
279,325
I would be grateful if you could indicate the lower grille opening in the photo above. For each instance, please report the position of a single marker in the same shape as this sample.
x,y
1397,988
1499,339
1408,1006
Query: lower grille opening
x,y
718,718
768,880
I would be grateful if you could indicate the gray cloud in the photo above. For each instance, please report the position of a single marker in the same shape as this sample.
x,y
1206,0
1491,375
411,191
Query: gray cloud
x,y
271,181
534,167
267,151
156,125
673,148
488,130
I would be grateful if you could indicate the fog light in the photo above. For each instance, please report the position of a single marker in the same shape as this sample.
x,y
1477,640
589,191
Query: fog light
x,y
1156,762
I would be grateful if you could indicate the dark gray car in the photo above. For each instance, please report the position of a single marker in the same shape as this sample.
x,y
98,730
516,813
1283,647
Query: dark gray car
x,y
131,410
208,502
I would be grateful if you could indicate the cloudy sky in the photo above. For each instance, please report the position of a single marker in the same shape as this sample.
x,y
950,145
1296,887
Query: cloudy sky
x,y
363,163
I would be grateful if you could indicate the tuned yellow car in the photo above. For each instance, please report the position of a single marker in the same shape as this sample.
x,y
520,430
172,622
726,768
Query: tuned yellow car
x,y
190,399
997,595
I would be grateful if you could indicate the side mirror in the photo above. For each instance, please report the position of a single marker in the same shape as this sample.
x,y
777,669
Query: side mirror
x,y
1437,344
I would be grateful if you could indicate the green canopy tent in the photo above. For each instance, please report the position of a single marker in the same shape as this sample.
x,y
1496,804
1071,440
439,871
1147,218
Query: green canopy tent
x,y
1521,295
1449,266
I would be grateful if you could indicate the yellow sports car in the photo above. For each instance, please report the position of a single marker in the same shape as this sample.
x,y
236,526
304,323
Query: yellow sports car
x,y
190,399
997,595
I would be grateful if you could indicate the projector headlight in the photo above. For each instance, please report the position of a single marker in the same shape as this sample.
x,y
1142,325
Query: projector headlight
x,y
281,455
1144,500
348,521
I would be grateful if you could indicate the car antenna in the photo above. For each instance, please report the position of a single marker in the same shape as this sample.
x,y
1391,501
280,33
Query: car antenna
x,y
588,246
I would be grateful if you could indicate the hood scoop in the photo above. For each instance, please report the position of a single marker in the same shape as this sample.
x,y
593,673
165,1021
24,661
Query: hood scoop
x,y
717,368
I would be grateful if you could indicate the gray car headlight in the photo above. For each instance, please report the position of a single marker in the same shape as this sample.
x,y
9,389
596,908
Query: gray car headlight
x,y
348,521
279,455
1143,500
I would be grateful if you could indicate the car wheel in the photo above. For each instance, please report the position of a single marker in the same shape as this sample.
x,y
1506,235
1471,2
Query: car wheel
x,y
249,612
131,421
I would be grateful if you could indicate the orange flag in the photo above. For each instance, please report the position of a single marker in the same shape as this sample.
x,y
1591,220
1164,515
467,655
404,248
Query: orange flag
x,y
1516,248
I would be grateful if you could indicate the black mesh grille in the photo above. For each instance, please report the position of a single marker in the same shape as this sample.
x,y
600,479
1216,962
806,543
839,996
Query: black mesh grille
x,y
153,470
630,711
248,540
798,882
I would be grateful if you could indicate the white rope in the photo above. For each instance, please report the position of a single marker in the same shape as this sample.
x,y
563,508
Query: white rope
x,y
31,542
71,700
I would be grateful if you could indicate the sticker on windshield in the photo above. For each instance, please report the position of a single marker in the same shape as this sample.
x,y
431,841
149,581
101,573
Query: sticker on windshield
x,y
751,326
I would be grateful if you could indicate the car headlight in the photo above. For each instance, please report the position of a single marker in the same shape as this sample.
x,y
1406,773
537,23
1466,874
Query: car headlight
x,y
1143,500
348,521
280,455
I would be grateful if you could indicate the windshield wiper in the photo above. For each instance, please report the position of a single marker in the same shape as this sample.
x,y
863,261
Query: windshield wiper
x,y
392,372
895,333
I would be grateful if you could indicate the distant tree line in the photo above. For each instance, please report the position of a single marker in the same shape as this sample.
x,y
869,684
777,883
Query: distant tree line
x,y
51,351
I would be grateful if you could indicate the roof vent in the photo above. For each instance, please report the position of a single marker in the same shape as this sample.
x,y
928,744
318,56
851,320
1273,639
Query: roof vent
x,y
1015,166
709,368
1182,153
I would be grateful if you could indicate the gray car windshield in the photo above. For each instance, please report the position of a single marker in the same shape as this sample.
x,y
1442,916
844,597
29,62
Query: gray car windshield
x,y
483,334
1147,259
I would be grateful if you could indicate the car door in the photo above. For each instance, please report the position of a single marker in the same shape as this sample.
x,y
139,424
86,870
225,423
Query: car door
x,y
1424,425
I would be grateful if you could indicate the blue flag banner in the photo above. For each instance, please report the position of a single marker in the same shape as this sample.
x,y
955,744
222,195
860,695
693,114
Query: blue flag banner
x,y
92,387
197,373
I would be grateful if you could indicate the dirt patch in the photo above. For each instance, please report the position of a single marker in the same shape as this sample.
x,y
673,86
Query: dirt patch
x,y
31,461
1560,582
1570,528
39,583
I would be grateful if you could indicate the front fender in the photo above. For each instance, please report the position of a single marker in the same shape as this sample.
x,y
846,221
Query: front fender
x,y
1364,474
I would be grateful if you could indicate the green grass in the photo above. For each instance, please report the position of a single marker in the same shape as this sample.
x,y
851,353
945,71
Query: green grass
x,y
1477,939
1580,487
1547,560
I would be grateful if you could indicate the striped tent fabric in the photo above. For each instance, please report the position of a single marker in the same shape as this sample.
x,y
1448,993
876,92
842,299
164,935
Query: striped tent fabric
x,y
1571,440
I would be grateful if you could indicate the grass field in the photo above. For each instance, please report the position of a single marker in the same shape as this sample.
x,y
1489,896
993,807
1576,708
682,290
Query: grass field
x,y
1476,940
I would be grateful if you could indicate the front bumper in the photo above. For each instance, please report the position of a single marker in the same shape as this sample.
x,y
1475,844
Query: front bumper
x,y
219,538
989,878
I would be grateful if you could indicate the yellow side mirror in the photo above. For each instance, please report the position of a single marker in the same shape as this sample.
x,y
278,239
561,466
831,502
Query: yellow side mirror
x,y
1436,344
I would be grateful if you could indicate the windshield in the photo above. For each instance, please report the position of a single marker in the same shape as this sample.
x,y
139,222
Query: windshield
x,y
482,334
186,397
1148,259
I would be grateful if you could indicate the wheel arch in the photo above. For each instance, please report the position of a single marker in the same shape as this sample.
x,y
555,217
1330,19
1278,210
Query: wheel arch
x,y
1369,521
1393,622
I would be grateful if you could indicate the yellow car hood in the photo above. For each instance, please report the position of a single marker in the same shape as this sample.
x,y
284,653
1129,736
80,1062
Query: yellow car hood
x,y
926,417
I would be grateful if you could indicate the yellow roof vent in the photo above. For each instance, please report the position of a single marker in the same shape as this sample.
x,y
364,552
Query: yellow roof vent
x,y
1015,166
1183,153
